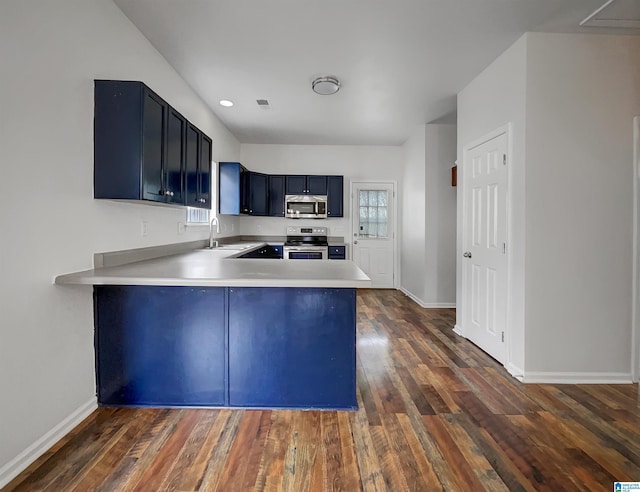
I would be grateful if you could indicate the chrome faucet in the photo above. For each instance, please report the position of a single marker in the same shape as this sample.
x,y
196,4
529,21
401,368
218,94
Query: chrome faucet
x,y
212,243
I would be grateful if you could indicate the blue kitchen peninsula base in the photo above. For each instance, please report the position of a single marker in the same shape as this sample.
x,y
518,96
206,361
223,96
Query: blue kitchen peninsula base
x,y
263,347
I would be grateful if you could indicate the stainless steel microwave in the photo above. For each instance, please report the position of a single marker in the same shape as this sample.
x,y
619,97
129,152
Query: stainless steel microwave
x,y
306,206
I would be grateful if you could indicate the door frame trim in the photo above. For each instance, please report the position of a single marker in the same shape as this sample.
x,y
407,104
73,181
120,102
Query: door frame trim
x,y
507,130
635,287
396,232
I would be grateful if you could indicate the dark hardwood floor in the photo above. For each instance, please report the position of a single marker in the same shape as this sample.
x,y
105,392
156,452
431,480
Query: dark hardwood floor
x,y
436,413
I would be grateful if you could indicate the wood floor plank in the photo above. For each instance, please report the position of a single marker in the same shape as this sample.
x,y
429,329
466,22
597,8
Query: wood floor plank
x,y
112,456
188,468
473,455
218,458
371,474
155,473
302,451
271,467
423,464
435,413
348,463
466,478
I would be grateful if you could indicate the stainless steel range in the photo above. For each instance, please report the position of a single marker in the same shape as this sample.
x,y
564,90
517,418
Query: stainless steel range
x,y
306,243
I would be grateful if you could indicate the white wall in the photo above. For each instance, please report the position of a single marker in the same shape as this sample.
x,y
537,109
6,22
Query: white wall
x,y
493,99
440,216
582,94
428,247
50,52
412,257
376,163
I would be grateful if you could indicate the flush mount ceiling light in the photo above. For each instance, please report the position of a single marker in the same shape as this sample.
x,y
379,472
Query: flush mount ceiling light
x,y
226,103
325,86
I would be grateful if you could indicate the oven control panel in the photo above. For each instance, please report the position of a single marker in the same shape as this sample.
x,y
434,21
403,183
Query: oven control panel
x,y
313,231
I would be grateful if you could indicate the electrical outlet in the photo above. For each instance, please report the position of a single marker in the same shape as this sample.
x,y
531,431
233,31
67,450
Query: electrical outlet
x,y
144,228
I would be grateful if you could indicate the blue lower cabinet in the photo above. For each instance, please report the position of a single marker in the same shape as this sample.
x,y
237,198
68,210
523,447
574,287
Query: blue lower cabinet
x,y
222,346
337,252
292,348
160,346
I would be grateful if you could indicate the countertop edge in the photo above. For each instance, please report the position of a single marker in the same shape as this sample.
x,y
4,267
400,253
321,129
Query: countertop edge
x,y
106,275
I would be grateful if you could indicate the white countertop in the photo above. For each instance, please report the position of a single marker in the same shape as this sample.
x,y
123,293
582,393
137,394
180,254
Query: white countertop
x,y
219,267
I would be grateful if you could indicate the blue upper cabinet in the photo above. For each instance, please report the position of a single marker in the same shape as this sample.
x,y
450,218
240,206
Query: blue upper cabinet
x,y
317,185
154,143
198,168
242,191
230,181
141,147
254,194
192,161
306,185
335,196
276,195
247,192
296,185
204,172
174,171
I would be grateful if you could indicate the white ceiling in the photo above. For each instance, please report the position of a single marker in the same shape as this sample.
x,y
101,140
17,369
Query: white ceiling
x,y
401,62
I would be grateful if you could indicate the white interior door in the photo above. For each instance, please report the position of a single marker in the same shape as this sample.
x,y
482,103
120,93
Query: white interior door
x,y
373,231
485,246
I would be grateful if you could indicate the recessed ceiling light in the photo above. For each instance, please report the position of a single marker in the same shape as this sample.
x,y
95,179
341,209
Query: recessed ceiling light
x,y
226,103
325,86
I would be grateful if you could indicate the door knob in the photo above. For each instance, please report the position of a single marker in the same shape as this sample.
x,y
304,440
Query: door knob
x,y
355,242
467,254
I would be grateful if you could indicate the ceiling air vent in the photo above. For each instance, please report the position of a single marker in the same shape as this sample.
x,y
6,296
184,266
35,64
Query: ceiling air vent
x,y
623,14
263,103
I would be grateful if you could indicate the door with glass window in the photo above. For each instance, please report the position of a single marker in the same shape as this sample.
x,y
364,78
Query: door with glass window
x,y
373,231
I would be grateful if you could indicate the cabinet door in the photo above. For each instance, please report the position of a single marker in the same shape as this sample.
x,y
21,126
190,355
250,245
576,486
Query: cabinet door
x,y
317,185
204,173
191,166
229,186
117,139
296,185
282,355
153,146
257,189
160,345
174,168
245,191
337,252
335,196
276,196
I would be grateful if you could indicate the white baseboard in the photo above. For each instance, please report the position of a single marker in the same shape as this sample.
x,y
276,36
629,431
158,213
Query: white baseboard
x,y
577,377
427,305
12,469
515,371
